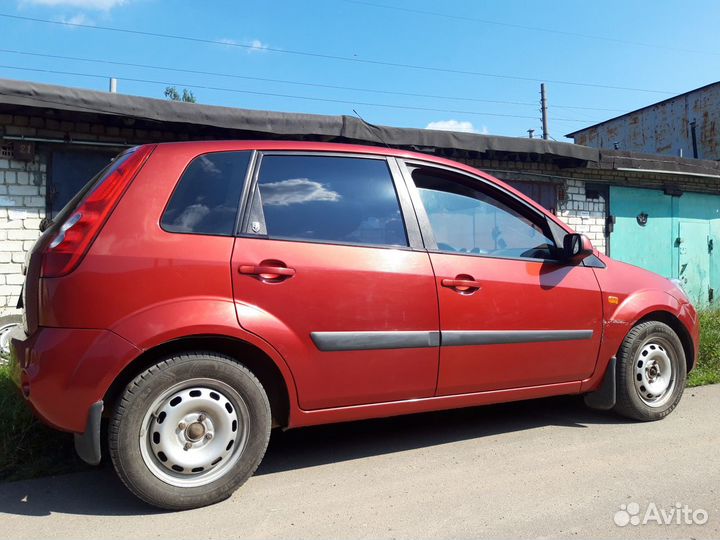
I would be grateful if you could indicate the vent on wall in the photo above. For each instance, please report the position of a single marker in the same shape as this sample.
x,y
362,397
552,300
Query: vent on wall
x,y
6,151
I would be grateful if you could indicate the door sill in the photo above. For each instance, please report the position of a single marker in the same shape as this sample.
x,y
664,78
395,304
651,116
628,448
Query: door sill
x,y
435,403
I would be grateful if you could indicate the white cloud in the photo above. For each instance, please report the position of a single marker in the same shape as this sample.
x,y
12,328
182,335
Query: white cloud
x,y
257,46
98,5
80,18
457,125
254,46
296,190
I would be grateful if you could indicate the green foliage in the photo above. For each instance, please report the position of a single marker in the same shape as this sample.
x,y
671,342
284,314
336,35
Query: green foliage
x,y
707,370
173,95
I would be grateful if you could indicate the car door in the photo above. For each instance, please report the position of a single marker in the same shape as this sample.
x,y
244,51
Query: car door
x,y
511,314
328,269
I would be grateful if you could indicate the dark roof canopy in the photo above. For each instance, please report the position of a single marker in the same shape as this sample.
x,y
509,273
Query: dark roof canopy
x,y
20,94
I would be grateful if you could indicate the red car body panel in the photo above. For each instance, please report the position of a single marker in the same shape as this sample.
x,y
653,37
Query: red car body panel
x,y
517,295
139,287
343,288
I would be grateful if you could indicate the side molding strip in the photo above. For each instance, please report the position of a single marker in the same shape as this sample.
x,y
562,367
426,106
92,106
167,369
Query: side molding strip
x,y
366,341
455,338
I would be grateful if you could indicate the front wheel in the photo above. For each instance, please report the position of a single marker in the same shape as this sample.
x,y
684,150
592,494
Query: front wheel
x,y
651,372
189,430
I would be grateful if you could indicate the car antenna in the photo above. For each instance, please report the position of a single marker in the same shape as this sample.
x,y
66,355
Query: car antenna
x,y
376,128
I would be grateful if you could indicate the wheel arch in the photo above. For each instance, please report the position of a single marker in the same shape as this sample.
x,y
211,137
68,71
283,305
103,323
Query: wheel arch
x,y
252,357
678,327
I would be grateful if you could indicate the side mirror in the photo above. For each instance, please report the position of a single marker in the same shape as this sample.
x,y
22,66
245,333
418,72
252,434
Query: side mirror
x,y
576,247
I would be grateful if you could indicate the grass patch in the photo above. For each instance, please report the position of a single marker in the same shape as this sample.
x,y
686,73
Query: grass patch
x,y
707,370
28,448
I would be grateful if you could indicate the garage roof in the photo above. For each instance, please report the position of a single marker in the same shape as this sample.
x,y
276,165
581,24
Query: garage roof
x,y
279,124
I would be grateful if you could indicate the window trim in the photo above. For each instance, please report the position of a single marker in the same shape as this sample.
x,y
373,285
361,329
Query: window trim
x,y
239,210
407,211
486,186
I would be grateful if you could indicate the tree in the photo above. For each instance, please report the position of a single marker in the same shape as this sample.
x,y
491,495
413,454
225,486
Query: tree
x,y
173,95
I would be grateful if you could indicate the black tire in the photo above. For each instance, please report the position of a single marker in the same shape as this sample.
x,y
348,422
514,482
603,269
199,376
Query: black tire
x,y
181,373
631,401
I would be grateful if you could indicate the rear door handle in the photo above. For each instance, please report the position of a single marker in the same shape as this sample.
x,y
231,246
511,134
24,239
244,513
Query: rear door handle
x,y
461,283
266,272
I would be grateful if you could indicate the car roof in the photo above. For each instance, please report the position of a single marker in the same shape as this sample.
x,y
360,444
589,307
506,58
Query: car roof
x,y
283,145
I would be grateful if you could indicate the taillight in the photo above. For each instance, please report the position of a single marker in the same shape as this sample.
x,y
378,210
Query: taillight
x,y
69,245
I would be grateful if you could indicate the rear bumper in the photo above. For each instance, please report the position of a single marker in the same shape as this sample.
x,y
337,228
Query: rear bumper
x,y
63,372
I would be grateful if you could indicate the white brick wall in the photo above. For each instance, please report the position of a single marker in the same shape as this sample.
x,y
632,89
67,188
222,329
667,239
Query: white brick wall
x,y
586,216
22,206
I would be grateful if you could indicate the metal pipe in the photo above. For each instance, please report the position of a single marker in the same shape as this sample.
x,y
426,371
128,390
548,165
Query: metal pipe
x,y
676,173
693,134
543,109
68,141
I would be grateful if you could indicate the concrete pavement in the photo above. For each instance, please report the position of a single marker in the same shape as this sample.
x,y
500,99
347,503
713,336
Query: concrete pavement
x,y
543,468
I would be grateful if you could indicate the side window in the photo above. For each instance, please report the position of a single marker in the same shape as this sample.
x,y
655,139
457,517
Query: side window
x,y
465,219
207,196
343,200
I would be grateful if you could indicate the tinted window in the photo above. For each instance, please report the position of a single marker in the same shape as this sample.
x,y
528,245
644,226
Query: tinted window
x,y
467,220
207,196
330,199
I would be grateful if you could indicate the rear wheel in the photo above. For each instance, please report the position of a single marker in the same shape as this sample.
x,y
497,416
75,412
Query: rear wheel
x,y
189,430
651,372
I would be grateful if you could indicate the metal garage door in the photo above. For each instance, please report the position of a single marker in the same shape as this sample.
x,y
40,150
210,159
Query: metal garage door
x,y
672,236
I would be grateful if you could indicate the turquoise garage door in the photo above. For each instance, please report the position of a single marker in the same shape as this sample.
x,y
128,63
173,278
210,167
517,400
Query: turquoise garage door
x,y
673,236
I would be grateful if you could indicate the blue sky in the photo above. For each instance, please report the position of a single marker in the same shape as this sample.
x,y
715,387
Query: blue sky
x,y
673,49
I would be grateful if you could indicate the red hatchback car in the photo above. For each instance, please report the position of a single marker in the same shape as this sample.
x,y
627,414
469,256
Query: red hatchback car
x,y
199,294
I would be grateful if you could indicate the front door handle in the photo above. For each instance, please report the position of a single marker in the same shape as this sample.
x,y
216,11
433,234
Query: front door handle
x,y
462,283
268,272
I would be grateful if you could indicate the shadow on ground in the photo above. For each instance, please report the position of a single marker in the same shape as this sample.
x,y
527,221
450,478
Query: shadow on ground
x,y
99,492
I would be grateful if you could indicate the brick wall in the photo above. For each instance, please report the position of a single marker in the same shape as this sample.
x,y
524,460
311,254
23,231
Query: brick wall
x,y
586,216
22,206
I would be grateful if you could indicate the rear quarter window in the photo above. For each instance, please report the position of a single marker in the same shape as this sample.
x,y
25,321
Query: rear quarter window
x,y
207,196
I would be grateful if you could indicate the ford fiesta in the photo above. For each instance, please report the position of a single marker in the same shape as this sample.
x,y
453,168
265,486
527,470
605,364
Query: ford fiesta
x,y
196,295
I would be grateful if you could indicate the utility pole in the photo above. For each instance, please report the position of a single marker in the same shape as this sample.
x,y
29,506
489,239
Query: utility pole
x,y
543,108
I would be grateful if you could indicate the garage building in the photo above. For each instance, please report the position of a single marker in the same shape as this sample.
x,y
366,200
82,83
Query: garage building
x,y
659,212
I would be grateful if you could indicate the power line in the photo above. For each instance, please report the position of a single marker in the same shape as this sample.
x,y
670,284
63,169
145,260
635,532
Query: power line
x,y
434,69
271,94
531,28
298,83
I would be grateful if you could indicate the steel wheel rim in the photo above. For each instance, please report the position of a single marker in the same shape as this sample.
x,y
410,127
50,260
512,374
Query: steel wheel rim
x,y
194,432
655,372
5,331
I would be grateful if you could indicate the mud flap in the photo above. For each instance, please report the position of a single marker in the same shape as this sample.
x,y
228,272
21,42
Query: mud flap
x,y
87,444
604,397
